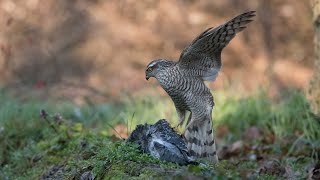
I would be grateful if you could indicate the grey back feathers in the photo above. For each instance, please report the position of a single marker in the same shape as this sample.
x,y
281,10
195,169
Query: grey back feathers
x,y
184,82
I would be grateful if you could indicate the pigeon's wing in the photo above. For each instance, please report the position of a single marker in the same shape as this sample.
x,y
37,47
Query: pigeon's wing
x,y
170,152
166,133
202,58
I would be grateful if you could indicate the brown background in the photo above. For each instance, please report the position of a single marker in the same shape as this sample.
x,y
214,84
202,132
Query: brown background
x,y
99,49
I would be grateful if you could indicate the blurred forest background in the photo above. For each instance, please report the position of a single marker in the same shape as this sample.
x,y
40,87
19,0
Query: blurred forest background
x,y
99,49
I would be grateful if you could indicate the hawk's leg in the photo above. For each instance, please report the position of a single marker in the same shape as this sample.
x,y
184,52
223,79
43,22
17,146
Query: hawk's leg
x,y
189,123
192,120
189,119
181,116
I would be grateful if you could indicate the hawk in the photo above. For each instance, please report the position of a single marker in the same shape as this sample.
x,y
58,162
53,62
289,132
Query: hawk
x,y
183,80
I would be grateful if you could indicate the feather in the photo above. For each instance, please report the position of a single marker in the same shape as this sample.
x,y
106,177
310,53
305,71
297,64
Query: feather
x,y
200,141
203,56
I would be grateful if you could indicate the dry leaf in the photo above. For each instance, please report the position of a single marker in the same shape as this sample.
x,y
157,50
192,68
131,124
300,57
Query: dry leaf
x,y
252,133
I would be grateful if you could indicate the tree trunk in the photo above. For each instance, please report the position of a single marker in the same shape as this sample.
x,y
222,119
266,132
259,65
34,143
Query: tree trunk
x,y
314,89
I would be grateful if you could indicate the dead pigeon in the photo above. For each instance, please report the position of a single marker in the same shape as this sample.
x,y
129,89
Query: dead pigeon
x,y
162,142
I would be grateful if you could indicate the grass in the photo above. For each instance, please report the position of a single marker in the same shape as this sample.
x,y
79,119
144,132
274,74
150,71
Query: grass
x,y
31,148
290,115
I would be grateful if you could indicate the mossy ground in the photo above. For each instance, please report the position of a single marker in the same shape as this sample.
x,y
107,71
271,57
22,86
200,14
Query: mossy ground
x,y
80,141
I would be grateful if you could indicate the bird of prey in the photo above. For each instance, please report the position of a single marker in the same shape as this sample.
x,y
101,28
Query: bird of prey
x,y
183,80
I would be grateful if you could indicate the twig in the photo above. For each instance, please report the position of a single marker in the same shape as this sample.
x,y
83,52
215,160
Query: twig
x,y
114,128
44,115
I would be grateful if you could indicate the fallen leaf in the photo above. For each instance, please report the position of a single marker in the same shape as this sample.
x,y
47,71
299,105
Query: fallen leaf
x,y
289,174
252,133
236,147
272,167
120,131
222,130
268,138
232,150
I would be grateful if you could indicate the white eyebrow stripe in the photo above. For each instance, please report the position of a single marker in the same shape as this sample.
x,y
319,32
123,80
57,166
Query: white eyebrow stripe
x,y
152,64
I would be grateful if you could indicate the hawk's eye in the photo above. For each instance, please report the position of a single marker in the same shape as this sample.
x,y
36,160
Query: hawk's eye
x,y
149,69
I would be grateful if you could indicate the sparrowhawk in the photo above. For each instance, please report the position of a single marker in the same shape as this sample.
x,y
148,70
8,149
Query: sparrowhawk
x,y
184,82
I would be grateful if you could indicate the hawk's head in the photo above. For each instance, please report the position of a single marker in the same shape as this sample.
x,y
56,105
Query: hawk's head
x,y
157,66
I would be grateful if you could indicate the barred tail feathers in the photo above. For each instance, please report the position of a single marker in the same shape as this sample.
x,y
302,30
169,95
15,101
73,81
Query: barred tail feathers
x,y
200,139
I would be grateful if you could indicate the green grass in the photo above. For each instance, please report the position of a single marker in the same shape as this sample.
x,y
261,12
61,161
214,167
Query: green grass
x,y
289,115
30,146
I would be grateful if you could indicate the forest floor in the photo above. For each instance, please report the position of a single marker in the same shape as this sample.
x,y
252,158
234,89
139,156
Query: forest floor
x,y
257,137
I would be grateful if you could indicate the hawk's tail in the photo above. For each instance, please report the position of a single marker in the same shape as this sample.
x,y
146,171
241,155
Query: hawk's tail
x,y
200,139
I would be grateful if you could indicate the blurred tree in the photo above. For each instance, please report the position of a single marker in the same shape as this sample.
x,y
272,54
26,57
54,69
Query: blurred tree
x,y
265,17
314,89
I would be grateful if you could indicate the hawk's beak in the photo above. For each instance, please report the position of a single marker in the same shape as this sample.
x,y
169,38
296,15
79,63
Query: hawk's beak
x,y
147,78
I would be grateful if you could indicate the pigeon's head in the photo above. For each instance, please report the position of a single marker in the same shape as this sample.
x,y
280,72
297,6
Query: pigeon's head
x,y
141,137
155,67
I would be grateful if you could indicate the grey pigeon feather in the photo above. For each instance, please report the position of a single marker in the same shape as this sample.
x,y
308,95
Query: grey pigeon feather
x,y
162,142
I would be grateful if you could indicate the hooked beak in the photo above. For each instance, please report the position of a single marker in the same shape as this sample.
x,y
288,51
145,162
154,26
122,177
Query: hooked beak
x,y
147,77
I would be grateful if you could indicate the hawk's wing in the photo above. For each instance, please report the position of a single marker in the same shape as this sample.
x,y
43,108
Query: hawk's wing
x,y
202,58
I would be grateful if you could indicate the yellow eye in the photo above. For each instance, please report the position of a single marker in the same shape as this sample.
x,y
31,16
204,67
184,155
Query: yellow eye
x,y
149,69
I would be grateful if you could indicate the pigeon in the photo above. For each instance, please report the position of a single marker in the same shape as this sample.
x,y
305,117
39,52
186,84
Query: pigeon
x,y
161,142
